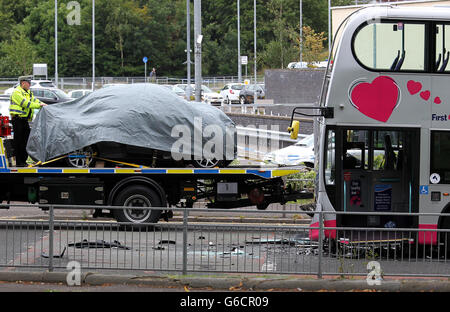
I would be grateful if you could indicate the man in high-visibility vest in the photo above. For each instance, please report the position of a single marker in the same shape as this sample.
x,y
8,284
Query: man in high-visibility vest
x,y
21,109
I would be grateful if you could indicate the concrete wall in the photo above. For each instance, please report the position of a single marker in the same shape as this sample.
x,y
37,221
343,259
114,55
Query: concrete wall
x,y
294,86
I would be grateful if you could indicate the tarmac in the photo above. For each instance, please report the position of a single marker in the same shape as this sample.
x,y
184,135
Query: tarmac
x,y
237,283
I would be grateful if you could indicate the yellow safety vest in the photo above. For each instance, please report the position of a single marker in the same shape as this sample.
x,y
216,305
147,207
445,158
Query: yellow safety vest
x,y
23,103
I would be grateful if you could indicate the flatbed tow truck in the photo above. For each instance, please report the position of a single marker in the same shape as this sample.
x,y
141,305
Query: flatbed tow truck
x,y
128,186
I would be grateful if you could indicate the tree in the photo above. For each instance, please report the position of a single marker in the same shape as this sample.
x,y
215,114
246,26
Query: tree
x,y
280,51
128,30
312,44
123,20
19,56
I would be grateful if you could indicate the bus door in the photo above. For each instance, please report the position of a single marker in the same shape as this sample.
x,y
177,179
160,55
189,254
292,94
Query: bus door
x,y
379,174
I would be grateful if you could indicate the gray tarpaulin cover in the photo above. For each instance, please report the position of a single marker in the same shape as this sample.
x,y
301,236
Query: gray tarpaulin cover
x,y
140,114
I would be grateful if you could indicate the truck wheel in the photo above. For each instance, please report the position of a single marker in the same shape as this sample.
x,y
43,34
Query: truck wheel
x,y
445,236
137,196
262,206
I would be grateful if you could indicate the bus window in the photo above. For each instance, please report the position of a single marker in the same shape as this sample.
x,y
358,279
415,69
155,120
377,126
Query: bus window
x,y
391,46
387,146
355,149
442,48
330,159
440,149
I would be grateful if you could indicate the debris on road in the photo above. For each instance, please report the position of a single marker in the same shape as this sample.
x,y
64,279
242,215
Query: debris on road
x,y
98,244
44,255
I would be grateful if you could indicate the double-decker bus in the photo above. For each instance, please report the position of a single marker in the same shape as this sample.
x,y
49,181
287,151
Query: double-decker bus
x,y
384,144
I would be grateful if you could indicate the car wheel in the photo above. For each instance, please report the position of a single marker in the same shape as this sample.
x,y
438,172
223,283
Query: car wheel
x,y
83,158
206,163
137,196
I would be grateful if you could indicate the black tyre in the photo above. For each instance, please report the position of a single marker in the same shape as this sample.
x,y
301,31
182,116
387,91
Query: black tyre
x,y
445,236
137,196
262,206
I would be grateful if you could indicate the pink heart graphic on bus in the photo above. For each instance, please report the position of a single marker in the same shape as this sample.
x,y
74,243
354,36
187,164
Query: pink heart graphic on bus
x,y
425,95
414,87
376,100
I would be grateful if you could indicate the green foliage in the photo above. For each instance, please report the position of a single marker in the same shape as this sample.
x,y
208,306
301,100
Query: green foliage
x,y
307,178
128,30
19,55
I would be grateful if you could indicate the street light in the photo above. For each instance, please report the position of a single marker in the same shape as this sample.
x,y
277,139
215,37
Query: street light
x,y
93,45
239,42
254,39
301,31
56,42
329,27
188,48
198,48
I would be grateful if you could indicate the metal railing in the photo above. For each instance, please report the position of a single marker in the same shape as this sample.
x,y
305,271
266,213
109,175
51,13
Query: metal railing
x,y
187,246
70,83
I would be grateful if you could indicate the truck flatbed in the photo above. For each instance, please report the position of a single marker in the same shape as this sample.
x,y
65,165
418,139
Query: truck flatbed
x,y
135,186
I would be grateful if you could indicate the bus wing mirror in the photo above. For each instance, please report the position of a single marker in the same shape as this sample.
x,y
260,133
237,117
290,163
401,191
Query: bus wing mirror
x,y
294,129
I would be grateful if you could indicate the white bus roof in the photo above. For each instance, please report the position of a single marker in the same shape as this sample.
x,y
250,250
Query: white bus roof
x,y
356,91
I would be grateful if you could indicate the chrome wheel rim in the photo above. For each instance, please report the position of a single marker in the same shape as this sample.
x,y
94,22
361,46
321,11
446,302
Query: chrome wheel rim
x,y
81,158
137,215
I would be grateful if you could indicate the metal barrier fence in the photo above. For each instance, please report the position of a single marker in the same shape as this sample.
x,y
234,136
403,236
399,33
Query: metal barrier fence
x,y
70,83
185,246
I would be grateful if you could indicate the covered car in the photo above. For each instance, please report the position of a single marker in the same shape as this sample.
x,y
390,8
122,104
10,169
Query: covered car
x,y
135,124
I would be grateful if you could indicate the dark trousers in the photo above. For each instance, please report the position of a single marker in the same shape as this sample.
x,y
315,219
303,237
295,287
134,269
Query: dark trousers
x,y
21,130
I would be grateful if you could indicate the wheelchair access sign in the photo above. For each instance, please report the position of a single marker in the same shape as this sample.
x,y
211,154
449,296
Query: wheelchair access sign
x,y
424,190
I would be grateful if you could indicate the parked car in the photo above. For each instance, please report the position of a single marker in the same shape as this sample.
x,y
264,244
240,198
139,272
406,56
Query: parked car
x,y
153,129
247,94
230,92
183,86
207,95
75,94
301,153
322,64
178,91
50,95
297,65
34,84
4,105
211,97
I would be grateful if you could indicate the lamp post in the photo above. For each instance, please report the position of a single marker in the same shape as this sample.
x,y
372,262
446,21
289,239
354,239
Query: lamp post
x,y
239,41
301,31
329,27
188,49
56,42
93,45
198,48
254,39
